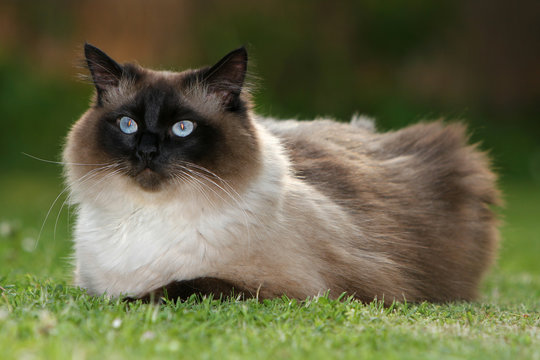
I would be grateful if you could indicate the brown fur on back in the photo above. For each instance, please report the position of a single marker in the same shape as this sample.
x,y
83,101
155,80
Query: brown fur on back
x,y
421,195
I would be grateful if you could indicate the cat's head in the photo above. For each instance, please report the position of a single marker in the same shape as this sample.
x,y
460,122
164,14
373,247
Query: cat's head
x,y
153,131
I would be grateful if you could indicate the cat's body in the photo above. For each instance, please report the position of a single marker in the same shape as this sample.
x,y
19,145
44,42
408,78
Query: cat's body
x,y
269,207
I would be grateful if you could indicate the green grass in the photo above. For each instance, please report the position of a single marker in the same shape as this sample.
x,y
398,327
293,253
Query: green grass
x,y
42,316
47,318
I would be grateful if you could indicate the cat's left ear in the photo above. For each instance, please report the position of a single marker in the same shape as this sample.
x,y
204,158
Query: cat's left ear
x,y
226,78
106,73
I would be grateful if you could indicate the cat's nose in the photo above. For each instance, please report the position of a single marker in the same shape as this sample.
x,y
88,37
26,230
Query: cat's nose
x,y
148,147
146,155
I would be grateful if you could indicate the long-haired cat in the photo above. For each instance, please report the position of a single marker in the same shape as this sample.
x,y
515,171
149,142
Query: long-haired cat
x,y
179,185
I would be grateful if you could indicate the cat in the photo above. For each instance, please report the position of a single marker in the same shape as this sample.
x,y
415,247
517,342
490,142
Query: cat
x,y
181,188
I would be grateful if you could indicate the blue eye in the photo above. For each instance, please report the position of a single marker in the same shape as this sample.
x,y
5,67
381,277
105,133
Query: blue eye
x,y
183,128
128,125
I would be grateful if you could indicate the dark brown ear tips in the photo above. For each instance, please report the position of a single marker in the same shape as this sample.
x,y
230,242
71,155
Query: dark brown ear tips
x,y
106,73
226,78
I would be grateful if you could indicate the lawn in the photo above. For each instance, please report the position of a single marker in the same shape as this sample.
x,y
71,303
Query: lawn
x,y
42,316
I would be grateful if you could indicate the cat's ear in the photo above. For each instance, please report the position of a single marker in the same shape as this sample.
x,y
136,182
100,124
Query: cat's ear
x,y
106,73
226,78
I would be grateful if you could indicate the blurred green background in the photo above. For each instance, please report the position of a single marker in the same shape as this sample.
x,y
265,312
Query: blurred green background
x,y
477,61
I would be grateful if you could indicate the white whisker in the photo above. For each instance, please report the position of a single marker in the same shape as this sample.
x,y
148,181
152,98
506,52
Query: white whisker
x,y
184,177
92,173
59,162
206,180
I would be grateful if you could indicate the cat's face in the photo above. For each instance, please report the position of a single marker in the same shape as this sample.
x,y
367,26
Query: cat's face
x,y
156,130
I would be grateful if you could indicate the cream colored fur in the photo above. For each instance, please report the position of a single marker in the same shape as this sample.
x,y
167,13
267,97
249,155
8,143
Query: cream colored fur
x,y
299,207
271,233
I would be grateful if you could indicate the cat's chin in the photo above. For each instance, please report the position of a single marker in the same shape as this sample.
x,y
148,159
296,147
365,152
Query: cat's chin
x,y
149,180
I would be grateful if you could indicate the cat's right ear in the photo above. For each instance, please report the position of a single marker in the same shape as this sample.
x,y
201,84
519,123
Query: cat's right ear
x,y
106,73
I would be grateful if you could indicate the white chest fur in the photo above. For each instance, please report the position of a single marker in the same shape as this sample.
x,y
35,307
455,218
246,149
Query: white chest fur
x,y
123,247
143,249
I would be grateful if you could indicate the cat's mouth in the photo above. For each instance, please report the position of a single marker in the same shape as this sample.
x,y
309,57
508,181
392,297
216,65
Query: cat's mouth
x,y
149,179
